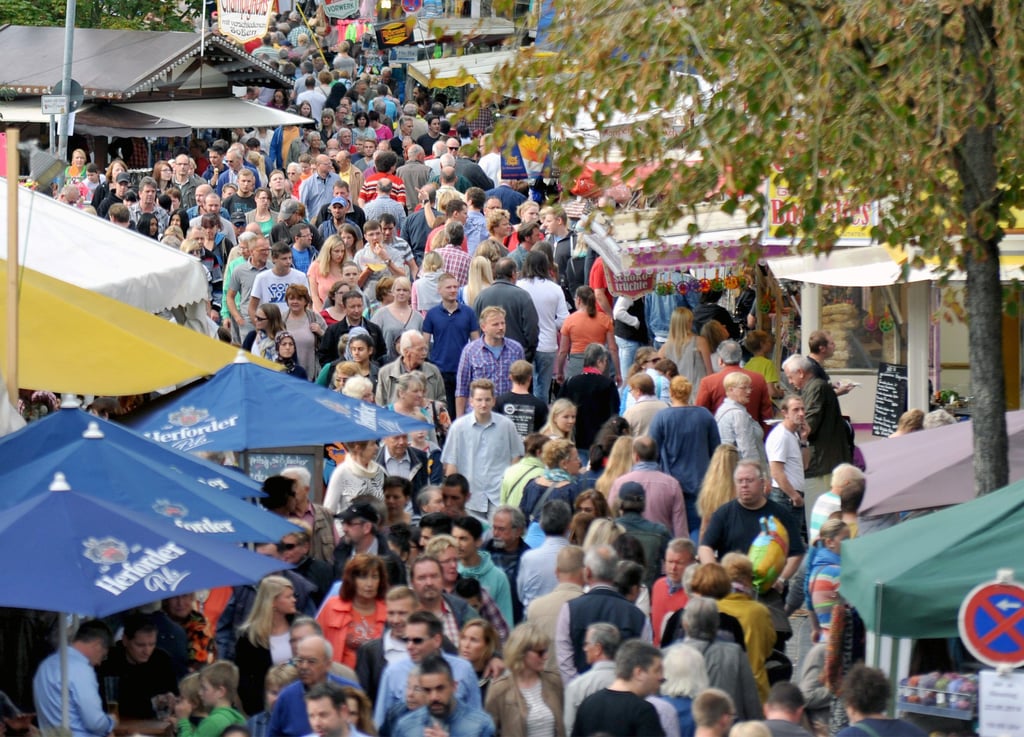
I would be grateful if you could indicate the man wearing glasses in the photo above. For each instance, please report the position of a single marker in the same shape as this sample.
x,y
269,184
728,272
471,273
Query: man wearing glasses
x,y
423,637
312,659
183,178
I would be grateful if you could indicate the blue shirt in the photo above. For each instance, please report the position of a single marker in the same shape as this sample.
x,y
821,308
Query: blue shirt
x,y
450,331
686,438
462,722
289,716
482,453
479,362
86,717
537,575
396,675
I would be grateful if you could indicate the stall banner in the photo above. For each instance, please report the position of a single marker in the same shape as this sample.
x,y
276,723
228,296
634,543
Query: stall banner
x,y
244,20
527,157
864,216
341,9
630,284
395,33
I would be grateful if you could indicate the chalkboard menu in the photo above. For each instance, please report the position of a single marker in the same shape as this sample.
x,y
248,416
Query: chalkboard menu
x,y
261,464
890,398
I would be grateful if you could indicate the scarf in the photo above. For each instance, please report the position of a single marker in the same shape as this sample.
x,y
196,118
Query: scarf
x,y
365,472
557,475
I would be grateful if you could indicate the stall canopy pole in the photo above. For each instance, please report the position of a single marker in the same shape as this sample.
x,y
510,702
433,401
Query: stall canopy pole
x,y
13,167
69,44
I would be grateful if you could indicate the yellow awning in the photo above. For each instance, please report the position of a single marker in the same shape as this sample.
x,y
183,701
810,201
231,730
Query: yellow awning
x,y
74,340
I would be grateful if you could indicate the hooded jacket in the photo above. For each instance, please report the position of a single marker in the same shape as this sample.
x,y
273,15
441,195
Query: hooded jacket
x,y
494,580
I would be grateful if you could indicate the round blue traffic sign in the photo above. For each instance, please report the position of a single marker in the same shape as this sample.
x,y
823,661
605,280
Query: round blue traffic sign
x,y
991,622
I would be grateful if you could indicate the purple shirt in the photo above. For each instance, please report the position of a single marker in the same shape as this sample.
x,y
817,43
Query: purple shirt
x,y
479,362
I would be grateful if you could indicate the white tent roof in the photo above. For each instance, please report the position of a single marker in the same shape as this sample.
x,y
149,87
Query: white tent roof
x,y
95,254
455,71
222,112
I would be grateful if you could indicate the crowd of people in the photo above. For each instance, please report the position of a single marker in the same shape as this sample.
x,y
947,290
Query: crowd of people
x,y
576,547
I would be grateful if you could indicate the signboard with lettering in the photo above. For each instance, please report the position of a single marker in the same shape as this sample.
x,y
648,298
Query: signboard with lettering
x,y
779,195
244,20
403,55
341,9
262,464
395,33
890,398
1001,704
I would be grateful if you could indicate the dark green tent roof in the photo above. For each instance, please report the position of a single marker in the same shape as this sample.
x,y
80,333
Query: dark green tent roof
x,y
909,580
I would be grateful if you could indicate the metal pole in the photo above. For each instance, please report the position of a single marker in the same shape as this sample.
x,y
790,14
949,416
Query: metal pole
x,y
69,43
13,166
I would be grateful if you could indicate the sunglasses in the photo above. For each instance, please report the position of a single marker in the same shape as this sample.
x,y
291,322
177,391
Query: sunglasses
x,y
287,546
413,640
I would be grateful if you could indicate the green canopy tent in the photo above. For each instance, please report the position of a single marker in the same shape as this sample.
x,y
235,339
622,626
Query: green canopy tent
x,y
909,581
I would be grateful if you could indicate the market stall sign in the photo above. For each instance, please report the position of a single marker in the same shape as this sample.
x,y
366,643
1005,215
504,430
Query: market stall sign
x,y
244,20
395,33
890,399
341,9
779,195
991,622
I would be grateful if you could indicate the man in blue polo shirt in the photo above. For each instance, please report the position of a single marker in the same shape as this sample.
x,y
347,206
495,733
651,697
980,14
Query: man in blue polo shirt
x,y
313,661
451,325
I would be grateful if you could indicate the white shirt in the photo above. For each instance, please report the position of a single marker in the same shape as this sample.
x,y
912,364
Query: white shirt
x,y
549,300
783,446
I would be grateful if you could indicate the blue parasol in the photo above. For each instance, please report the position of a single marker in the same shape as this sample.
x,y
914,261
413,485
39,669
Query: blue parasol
x,y
245,407
95,465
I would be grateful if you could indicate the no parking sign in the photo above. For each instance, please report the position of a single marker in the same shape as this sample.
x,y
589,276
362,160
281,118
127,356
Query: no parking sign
x,y
991,621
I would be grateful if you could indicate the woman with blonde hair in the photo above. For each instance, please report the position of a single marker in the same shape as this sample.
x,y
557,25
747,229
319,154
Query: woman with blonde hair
x,y
718,487
758,630
714,333
395,318
527,701
620,460
690,353
342,373
325,272
481,276
263,639
561,422
559,481
424,289
602,531
358,474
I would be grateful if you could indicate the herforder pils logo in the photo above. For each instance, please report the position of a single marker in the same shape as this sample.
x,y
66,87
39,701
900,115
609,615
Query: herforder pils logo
x,y
187,416
150,566
194,424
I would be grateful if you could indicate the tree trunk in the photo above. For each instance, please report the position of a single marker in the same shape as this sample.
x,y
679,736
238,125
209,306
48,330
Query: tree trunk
x,y
976,166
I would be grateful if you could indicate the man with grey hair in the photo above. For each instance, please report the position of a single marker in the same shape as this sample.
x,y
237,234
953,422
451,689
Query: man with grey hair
x,y
711,392
412,348
735,525
828,434
600,645
506,548
323,538
727,665
602,603
413,173
313,657
429,501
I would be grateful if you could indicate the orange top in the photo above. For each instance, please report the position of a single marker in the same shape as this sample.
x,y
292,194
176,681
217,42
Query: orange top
x,y
346,629
582,330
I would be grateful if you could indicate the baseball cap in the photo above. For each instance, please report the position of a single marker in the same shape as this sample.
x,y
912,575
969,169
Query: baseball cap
x,y
365,512
238,219
289,208
632,490
122,177
340,201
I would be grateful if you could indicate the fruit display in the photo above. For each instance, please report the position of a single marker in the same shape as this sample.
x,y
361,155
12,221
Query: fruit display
x,y
944,694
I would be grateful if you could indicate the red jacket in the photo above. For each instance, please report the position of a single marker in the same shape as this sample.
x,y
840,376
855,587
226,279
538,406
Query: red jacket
x,y
712,392
337,619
